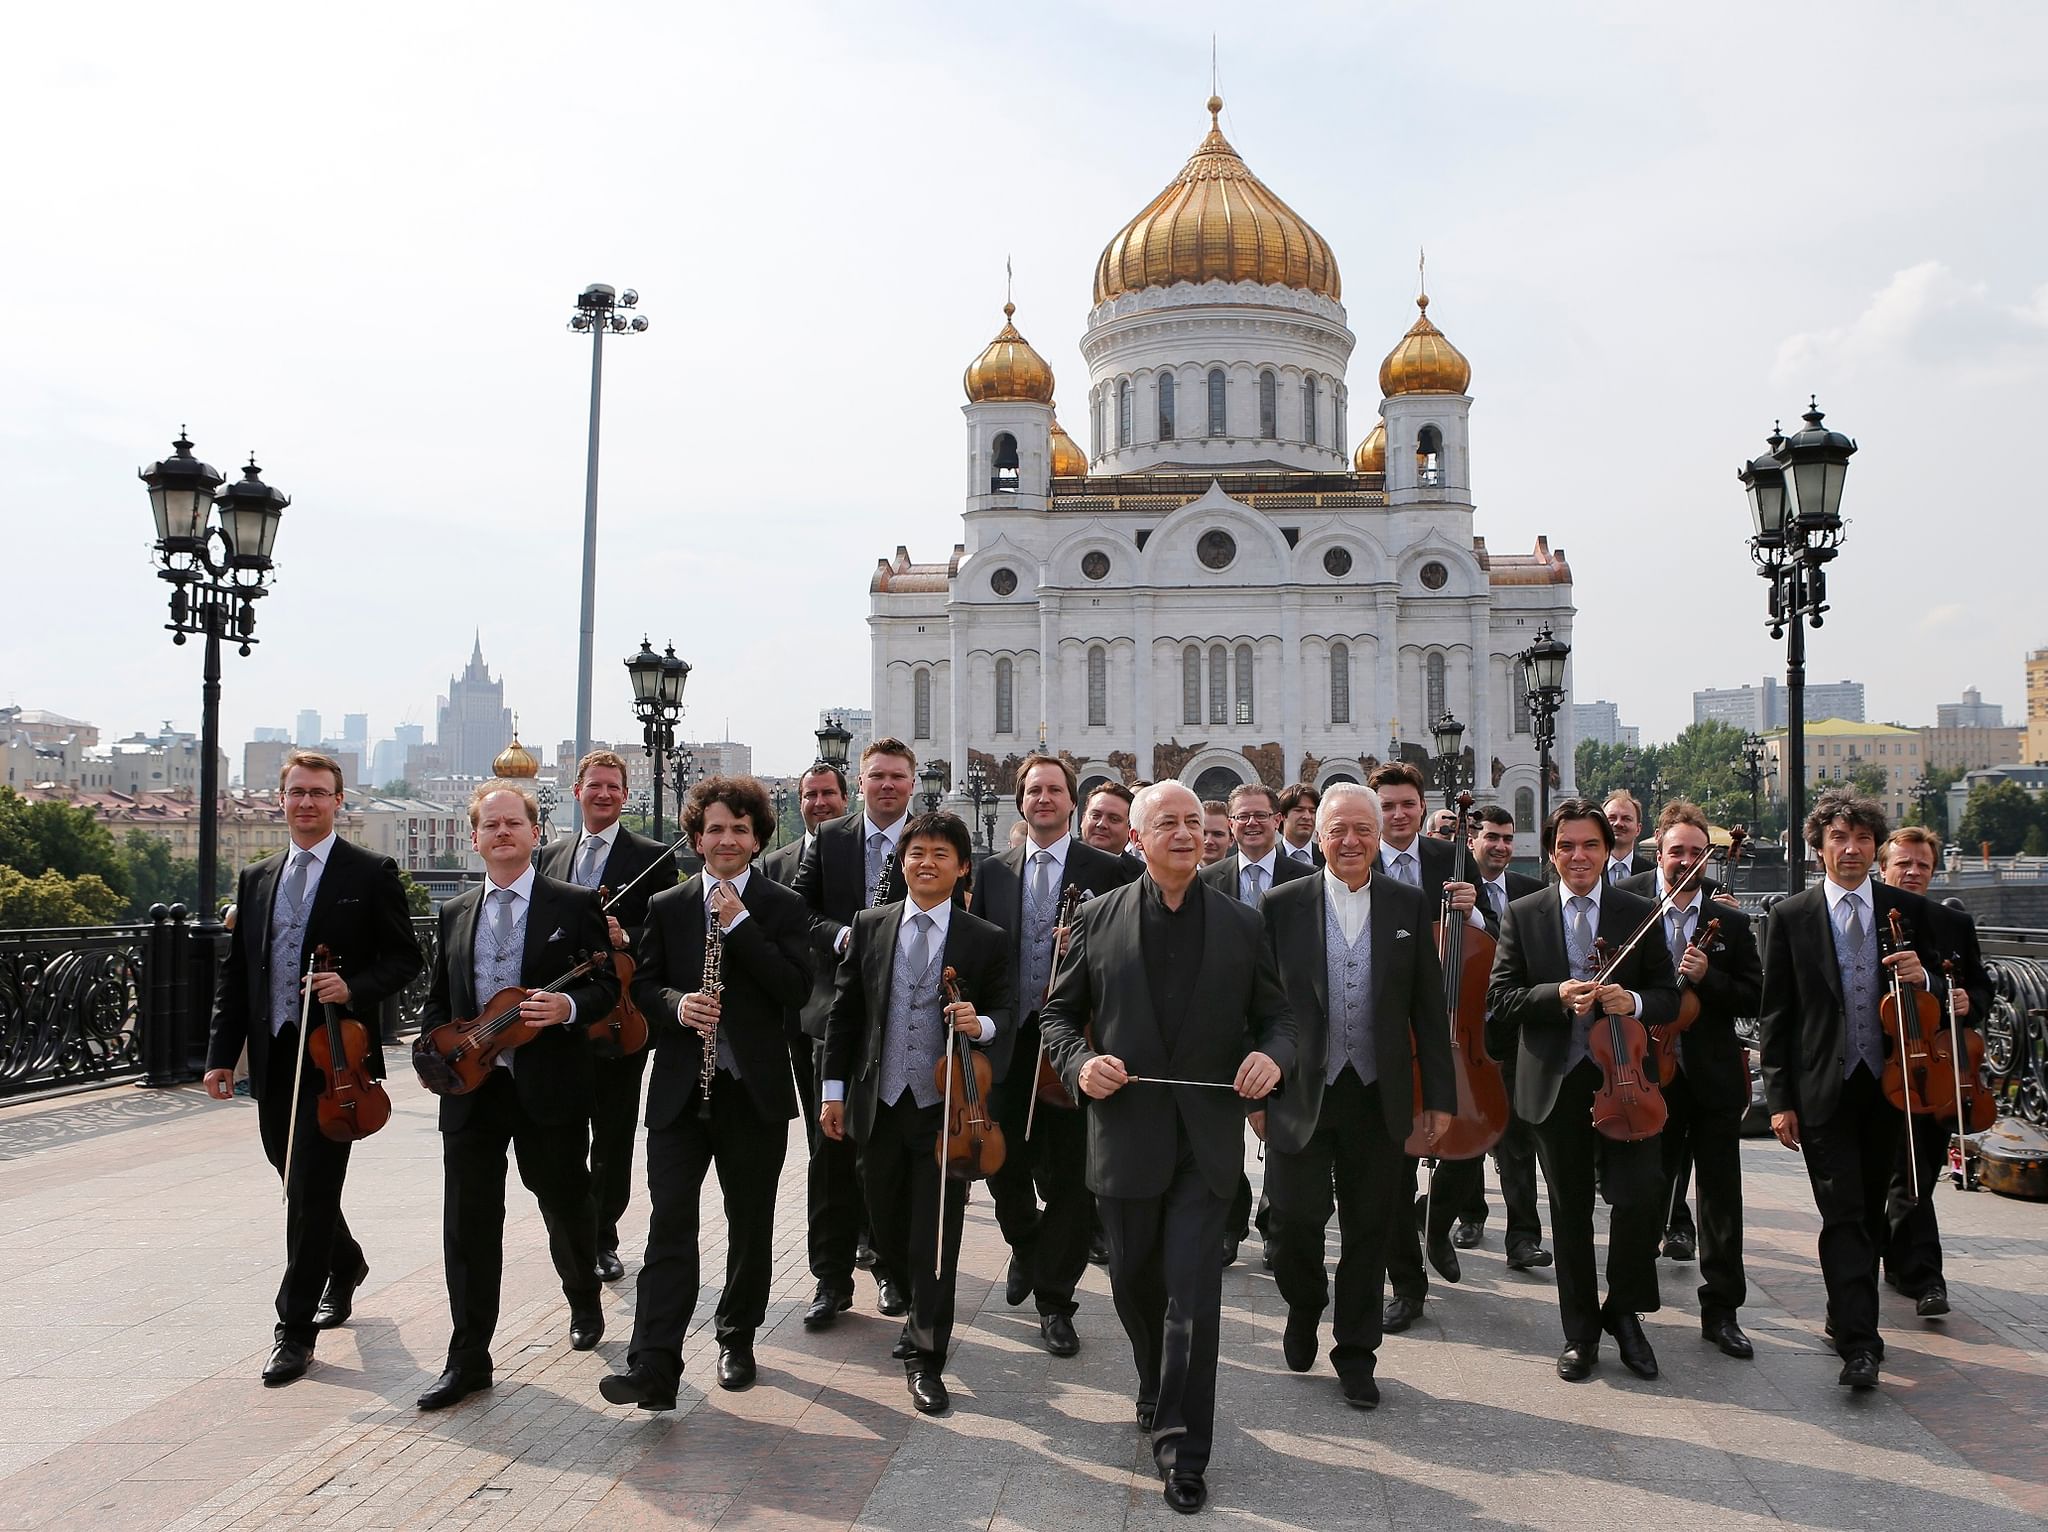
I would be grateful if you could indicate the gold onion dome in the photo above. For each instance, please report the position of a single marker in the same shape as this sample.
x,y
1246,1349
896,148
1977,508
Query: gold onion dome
x,y
1009,368
1068,460
515,761
1217,222
1371,456
1425,362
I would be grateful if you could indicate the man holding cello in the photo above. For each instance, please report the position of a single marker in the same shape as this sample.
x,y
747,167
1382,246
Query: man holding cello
x,y
324,892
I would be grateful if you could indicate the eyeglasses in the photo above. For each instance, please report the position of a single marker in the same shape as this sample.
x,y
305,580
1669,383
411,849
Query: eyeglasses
x,y
315,794
1251,819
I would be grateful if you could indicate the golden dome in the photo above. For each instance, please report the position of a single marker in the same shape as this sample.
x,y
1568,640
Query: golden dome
x,y
1425,362
1216,222
1371,456
1009,368
515,762
1068,460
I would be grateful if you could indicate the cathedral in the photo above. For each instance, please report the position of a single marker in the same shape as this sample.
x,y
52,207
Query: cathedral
x,y
1221,590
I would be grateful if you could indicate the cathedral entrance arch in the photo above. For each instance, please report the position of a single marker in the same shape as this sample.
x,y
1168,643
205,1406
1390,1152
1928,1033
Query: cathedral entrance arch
x,y
1217,782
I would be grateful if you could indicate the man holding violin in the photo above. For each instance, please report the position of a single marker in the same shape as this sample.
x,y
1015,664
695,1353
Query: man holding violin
x,y
518,930
322,892
1827,965
1577,958
887,1046
1715,953
607,855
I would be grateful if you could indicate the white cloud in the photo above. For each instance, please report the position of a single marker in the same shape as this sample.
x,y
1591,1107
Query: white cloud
x,y
1925,317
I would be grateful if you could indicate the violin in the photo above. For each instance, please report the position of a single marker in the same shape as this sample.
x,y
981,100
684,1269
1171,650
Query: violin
x,y
456,1057
622,1031
1628,1106
1050,1089
970,1145
1976,1108
351,1105
1480,1114
1665,1035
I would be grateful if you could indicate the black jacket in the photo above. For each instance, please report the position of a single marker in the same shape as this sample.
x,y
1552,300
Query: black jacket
x,y
832,879
631,855
1709,1049
1224,876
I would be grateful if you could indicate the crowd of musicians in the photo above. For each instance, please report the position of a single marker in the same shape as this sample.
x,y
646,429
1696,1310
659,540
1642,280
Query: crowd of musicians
x,y
1141,991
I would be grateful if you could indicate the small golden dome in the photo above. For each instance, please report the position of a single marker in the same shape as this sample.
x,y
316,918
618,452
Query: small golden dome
x,y
1009,368
1068,460
1425,362
1216,221
515,762
1371,456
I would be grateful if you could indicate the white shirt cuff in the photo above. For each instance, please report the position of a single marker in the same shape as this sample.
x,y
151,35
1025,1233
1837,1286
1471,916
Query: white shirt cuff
x,y
988,1030
835,1090
839,942
737,921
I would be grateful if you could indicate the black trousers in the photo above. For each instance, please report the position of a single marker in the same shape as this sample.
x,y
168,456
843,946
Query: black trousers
x,y
317,1242
1166,1275
748,1151
1913,1253
1706,1142
900,1175
836,1210
805,1070
614,1123
1457,1188
1051,1168
1849,1162
1514,1159
551,1166
1577,1162
1350,1148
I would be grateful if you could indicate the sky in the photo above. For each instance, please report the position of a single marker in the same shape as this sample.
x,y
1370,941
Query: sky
x,y
349,240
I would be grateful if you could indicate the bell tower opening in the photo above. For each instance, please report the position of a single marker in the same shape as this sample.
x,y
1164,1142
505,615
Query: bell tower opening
x,y
1003,464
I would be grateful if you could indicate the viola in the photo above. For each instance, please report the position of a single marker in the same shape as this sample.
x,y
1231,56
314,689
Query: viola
x,y
970,1145
351,1105
1919,1070
1050,1089
456,1057
1480,1114
1665,1035
1627,1106
622,1031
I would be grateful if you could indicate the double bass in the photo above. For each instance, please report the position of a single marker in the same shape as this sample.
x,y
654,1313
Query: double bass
x,y
351,1105
1480,1115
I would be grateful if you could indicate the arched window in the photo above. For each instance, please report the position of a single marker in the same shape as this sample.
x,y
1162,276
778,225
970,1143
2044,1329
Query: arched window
x,y
1095,419
1166,432
1429,456
1216,783
921,704
1342,428
1519,705
1191,685
1308,410
1435,701
1004,461
1123,413
1525,808
1340,683
1098,687
1006,695
1269,405
1216,421
1219,684
1244,683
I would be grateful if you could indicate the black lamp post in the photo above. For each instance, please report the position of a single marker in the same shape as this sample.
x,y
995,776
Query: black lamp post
x,y
1543,685
780,798
980,791
1795,507
1449,733
658,681
833,740
684,774
1753,773
934,781
1925,796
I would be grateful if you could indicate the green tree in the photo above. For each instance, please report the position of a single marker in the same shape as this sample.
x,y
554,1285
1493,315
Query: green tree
x,y
63,838
2036,843
397,787
1868,778
155,876
55,900
417,900
1935,816
2001,813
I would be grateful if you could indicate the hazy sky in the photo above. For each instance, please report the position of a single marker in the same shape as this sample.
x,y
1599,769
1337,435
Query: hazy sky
x,y
349,239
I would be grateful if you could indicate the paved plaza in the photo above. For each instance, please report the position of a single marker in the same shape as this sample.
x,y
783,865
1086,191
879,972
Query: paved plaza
x,y
139,1243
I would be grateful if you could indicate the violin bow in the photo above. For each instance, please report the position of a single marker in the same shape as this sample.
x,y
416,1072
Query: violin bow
x,y
1959,1162
1897,924
666,856
291,1132
1656,915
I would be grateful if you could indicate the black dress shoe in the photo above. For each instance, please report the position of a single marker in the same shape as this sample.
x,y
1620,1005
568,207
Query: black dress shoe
x,y
1727,1334
827,1304
1468,1234
1230,1252
1932,1303
452,1387
1361,1392
1444,1259
1633,1345
586,1328
1146,1412
339,1299
1859,1370
864,1255
889,1297
1098,1250
902,1351
609,1267
1017,1281
1058,1331
1680,1246
1399,1314
640,1385
928,1391
1298,1341
1575,1362
1186,1492
288,1362
1525,1254
736,1366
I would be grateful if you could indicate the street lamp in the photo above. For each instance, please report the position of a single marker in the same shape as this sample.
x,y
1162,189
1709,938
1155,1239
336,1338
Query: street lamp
x,y
597,311
213,595
1795,506
781,800
934,781
684,773
549,797
1449,733
1753,749
1543,686
980,791
658,681
833,740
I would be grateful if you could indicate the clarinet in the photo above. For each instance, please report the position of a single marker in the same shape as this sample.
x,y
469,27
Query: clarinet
x,y
712,985
881,893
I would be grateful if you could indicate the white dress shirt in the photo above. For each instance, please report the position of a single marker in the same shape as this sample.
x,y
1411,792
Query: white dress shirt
x,y
942,919
1353,909
738,885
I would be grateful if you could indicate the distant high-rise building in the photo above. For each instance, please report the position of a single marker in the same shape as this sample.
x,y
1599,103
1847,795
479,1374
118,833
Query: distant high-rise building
x,y
2037,708
1973,712
355,728
263,761
474,724
1601,721
387,761
1759,709
1834,699
308,732
272,736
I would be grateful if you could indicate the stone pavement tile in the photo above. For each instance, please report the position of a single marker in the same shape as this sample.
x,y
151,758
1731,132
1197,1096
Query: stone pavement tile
x,y
1853,1504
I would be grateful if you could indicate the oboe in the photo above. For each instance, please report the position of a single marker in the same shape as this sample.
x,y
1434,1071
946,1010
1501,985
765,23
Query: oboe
x,y
881,893
712,985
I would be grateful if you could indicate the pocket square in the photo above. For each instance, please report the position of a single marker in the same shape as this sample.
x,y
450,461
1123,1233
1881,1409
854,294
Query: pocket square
x,y
1401,936
561,934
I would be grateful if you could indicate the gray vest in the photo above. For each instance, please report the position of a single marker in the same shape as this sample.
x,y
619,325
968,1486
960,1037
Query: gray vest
x,y
916,1029
1582,1026
1862,988
287,950
1350,978
1034,942
494,964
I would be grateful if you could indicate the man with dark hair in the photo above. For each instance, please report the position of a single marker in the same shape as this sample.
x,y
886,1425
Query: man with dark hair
x,y
1106,821
891,1025
1514,1157
821,798
1298,824
1545,999
610,856
322,892
1217,839
1826,964
1258,863
743,1124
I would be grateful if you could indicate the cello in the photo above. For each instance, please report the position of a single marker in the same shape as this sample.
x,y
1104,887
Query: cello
x,y
1480,1115
969,1146
351,1105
